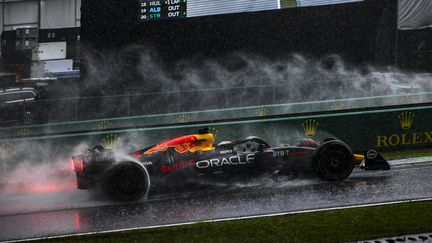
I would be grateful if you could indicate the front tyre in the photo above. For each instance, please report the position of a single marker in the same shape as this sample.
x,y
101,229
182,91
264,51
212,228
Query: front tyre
x,y
334,161
127,181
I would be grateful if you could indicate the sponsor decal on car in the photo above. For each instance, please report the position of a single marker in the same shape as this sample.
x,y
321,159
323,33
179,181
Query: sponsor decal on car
x,y
230,161
181,164
226,152
286,153
190,143
147,163
102,157
281,153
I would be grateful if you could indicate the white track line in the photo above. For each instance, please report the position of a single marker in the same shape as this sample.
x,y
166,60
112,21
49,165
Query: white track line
x,y
411,161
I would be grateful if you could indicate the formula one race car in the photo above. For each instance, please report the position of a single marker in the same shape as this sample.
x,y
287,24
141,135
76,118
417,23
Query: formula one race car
x,y
194,159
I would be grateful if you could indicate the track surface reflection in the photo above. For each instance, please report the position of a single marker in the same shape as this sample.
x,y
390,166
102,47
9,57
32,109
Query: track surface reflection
x,y
50,214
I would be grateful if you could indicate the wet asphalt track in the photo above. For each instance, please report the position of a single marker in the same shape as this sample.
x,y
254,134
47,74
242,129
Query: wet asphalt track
x,y
42,215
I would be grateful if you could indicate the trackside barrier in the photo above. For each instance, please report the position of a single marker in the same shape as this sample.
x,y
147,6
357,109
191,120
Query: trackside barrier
x,y
384,129
210,116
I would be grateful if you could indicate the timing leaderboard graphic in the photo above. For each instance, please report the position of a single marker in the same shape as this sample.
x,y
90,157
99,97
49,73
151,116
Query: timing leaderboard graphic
x,y
174,9
162,9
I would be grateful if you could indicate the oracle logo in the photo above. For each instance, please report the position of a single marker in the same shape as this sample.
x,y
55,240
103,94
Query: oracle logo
x,y
230,161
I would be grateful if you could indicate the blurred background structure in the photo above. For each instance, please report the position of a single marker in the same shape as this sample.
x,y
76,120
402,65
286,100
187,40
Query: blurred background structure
x,y
55,52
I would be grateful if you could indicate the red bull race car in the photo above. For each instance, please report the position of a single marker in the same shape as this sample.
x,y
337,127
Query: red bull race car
x,y
193,159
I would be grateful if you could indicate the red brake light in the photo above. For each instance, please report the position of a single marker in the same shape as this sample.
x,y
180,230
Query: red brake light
x,y
77,164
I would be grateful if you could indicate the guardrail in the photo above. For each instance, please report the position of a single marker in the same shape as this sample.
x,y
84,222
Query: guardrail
x,y
218,115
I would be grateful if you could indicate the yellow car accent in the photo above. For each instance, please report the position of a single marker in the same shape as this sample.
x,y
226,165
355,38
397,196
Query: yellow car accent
x,y
358,158
204,142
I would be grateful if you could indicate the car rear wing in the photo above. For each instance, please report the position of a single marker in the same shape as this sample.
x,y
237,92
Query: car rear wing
x,y
94,157
371,160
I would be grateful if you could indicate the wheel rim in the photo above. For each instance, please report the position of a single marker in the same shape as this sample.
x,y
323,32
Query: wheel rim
x,y
334,163
127,183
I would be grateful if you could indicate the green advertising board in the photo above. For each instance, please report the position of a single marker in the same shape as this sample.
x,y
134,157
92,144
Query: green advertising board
x,y
389,129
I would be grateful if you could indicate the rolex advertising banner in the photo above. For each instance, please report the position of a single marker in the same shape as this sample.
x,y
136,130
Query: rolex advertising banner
x,y
388,130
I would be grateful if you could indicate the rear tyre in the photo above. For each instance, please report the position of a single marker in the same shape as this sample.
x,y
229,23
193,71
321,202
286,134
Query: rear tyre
x,y
127,181
334,161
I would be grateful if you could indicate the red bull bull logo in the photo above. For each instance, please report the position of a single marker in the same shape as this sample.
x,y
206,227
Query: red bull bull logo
x,y
189,143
